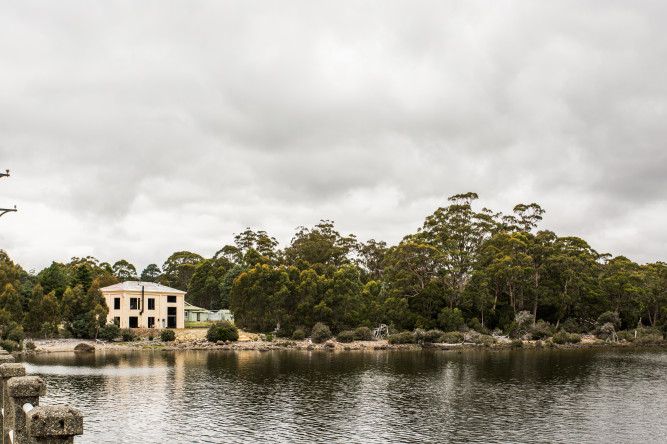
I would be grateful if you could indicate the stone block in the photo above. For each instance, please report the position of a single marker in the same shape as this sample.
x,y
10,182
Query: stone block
x,y
45,421
6,358
26,386
11,370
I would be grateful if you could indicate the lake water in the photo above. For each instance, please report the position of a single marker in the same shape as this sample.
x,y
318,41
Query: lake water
x,y
612,395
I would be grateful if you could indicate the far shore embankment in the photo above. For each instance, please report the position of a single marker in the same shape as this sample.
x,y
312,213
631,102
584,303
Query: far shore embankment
x,y
194,339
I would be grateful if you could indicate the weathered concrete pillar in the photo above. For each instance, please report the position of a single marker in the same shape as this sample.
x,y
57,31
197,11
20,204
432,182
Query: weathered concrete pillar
x,y
54,425
7,370
22,390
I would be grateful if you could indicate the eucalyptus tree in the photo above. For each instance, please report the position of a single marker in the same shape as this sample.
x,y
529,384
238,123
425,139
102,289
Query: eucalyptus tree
x,y
178,269
574,269
622,283
204,286
259,241
54,278
150,273
457,232
321,244
124,271
654,297
371,254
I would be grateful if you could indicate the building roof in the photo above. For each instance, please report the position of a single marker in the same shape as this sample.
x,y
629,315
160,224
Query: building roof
x,y
149,287
188,306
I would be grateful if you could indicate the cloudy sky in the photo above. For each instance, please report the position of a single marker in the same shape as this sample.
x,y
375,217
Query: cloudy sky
x,y
134,129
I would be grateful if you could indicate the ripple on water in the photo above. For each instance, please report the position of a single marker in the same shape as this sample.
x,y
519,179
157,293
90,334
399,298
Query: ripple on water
x,y
386,396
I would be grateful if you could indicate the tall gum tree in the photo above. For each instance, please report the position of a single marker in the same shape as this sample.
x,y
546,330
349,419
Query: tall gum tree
x,y
457,232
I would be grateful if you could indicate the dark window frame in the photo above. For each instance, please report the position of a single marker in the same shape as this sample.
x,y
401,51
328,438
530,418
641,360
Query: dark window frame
x,y
171,299
151,303
134,303
116,303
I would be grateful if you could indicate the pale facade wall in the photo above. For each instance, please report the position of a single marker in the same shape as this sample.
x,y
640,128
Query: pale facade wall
x,y
159,313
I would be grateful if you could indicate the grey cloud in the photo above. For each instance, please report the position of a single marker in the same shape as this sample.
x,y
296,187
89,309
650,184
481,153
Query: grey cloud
x,y
175,124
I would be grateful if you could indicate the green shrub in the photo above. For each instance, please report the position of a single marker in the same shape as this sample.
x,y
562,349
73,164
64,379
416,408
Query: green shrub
x,y
269,337
563,337
345,336
572,325
452,337
517,343
401,338
30,345
10,345
484,340
109,332
299,334
626,335
428,336
512,330
48,330
222,331
167,335
320,333
16,335
450,320
541,330
609,317
651,338
284,333
476,325
606,331
363,334
128,334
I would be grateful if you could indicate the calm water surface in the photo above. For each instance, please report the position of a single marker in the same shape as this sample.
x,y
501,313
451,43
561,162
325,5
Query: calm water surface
x,y
380,396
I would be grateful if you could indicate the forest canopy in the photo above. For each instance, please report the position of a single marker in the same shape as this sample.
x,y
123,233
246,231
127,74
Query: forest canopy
x,y
462,267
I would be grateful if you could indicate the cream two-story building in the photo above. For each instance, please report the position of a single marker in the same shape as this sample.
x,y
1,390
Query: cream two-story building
x,y
136,304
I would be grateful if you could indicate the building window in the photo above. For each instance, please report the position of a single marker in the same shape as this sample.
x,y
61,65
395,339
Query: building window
x,y
151,303
134,322
171,299
134,303
151,322
116,303
198,314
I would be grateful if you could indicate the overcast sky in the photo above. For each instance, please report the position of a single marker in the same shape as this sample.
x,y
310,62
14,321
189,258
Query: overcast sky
x,y
135,129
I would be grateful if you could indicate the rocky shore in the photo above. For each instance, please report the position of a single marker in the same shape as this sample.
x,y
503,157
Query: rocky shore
x,y
190,340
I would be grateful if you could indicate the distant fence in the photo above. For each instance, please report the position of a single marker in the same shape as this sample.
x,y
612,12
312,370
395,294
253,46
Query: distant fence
x,y
24,421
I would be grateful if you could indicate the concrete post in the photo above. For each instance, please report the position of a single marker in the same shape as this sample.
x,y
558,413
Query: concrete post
x,y
54,425
22,390
7,370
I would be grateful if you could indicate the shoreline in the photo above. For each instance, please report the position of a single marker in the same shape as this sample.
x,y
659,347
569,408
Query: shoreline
x,y
46,346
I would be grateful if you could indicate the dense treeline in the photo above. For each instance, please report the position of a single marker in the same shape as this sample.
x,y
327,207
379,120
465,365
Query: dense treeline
x,y
462,269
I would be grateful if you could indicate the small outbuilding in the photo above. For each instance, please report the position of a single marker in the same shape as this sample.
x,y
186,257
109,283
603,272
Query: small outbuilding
x,y
221,315
193,313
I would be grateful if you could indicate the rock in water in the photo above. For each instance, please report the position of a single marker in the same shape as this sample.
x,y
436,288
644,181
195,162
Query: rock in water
x,y
83,347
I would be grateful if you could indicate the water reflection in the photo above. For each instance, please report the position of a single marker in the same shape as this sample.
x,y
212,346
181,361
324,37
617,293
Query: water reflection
x,y
385,396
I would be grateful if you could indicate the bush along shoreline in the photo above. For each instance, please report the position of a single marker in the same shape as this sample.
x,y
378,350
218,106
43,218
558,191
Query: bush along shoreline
x,y
224,335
